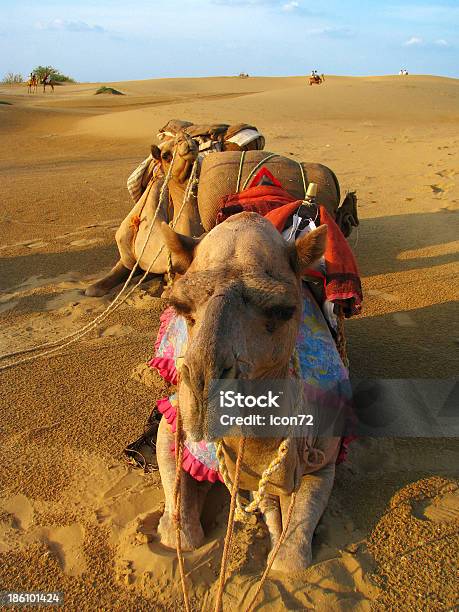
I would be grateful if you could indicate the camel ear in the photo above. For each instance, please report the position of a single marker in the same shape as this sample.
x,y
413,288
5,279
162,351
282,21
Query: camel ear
x,y
156,152
311,247
181,248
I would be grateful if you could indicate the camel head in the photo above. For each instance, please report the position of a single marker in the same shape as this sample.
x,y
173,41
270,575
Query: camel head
x,y
241,296
186,152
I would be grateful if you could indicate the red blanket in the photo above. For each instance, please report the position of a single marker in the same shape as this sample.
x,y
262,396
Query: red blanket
x,y
260,199
342,281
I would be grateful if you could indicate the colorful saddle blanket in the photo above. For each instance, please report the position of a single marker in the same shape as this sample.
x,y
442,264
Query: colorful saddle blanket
x,y
319,361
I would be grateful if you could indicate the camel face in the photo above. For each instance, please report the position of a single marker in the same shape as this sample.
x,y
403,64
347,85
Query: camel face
x,y
186,151
240,295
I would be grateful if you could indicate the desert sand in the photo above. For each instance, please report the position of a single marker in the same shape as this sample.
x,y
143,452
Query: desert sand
x,y
73,515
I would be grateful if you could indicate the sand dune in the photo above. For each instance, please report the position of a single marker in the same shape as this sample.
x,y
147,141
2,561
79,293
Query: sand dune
x,y
73,515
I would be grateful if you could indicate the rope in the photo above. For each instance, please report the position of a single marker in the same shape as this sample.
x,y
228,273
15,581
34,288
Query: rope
x,y
177,506
274,552
189,188
116,298
236,503
114,305
305,185
169,271
255,168
275,464
341,344
230,527
239,176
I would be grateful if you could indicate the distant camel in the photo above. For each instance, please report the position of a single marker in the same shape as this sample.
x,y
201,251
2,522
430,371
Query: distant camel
x,y
32,84
47,81
316,80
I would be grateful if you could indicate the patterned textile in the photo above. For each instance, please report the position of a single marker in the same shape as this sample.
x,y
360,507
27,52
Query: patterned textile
x,y
134,182
319,359
199,458
170,345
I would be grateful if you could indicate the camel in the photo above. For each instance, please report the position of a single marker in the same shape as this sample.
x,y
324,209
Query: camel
x,y
32,84
316,80
241,296
47,81
199,213
133,231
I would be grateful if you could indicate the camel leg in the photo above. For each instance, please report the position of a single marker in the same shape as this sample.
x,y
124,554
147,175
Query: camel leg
x,y
270,508
117,275
193,494
311,500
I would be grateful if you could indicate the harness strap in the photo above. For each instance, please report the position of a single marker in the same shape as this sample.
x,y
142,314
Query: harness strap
x,y
241,165
305,185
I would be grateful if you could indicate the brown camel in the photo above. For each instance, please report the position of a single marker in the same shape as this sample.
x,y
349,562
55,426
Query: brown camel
x,y
218,177
317,80
32,84
241,296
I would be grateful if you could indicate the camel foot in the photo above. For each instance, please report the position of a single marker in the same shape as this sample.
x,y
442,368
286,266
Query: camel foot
x,y
191,538
117,275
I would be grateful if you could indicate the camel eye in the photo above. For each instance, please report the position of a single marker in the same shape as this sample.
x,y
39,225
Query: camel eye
x,y
167,156
278,315
181,308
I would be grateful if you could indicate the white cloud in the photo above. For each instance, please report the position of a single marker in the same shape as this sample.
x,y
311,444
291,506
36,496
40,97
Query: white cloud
x,y
441,42
290,6
331,32
70,26
414,40
286,6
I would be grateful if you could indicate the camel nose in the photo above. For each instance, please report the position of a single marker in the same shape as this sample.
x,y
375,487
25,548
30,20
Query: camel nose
x,y
199,375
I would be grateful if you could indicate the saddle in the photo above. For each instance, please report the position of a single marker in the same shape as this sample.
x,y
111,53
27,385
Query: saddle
x,y
215,136
209,138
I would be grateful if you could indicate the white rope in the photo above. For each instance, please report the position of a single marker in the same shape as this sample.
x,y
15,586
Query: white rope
x,y
115,304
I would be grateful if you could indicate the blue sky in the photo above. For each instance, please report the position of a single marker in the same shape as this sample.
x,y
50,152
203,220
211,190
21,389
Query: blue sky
x,y
108,40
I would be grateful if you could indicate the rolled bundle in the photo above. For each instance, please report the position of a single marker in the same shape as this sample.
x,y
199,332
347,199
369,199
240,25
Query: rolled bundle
x,y
219,177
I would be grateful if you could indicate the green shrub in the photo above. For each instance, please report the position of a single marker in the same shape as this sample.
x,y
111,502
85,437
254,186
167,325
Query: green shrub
x,y
56,76
109,90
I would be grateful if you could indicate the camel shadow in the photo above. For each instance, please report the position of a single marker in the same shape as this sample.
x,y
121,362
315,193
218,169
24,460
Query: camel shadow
x,y
395,243
17,270
416,346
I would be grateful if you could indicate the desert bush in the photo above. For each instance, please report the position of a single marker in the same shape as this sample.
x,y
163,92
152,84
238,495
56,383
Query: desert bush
x,y
109,90
57,76
11,78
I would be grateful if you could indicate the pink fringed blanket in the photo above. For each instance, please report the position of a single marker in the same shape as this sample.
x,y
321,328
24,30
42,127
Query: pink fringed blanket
x,y
199,458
